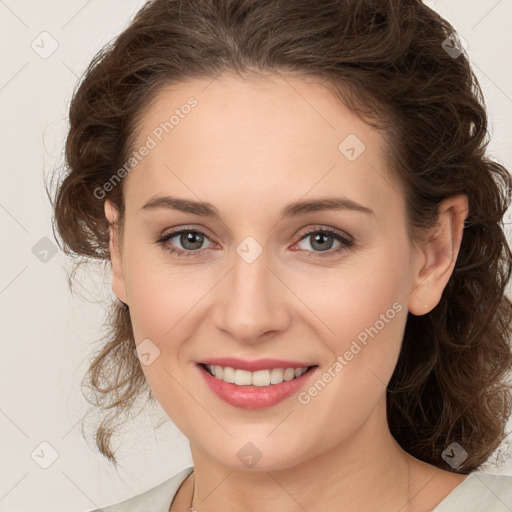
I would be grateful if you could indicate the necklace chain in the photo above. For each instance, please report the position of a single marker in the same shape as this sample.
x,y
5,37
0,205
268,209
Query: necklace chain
x,y
192,509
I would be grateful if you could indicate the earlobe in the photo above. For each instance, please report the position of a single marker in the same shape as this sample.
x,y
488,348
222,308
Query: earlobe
x,y
118,282
438,255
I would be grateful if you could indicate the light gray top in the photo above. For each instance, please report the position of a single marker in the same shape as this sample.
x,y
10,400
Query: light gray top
x,y
479,492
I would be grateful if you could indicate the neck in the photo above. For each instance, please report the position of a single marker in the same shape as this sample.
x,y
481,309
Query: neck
x,y
368,471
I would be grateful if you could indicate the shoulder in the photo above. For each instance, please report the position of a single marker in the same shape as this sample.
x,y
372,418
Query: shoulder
x,y
479,491
156,499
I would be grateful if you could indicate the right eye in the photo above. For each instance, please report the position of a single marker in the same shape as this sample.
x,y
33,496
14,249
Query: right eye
x,y
190,239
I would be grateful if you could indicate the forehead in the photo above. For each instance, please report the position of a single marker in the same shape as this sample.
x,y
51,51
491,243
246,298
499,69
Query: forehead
x,y
272,137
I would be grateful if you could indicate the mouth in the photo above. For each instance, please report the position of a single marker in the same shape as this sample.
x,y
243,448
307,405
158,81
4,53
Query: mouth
x,y
260,378
255,390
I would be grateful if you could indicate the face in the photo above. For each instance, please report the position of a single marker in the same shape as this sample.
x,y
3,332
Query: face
x,y
259,274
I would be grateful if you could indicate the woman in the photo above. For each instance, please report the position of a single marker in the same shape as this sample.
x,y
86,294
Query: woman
x,y
306,241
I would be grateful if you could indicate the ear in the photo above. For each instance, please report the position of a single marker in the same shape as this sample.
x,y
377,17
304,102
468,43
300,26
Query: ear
x,y
436,257
118,283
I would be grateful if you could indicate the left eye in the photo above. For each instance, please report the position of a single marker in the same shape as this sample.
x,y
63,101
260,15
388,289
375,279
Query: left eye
x,y
321,241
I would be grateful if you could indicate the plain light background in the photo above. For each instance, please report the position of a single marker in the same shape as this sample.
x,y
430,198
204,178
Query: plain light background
x,y
49,335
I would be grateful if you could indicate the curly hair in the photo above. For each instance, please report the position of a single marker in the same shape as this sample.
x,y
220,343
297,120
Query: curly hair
x,y
400,67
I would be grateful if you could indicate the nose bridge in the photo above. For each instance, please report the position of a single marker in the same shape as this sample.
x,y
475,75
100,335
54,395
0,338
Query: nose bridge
x,y
252,302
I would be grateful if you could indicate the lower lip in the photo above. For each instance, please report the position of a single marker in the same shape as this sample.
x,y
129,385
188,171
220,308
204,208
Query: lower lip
x,y
254,397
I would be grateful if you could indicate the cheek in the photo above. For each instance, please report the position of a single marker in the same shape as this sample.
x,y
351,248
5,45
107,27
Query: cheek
x,y
161,295
361,312
363,355
353,297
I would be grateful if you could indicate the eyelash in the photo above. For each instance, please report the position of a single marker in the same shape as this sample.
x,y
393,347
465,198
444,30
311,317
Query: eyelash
x,y
346,243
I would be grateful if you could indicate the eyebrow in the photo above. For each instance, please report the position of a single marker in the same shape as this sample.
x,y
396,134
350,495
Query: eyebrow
x,y
300,207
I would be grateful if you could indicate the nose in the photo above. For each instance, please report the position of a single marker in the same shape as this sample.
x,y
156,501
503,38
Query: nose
x,y
252,302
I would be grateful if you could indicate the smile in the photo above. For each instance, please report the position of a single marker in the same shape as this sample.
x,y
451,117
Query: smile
x,y
254,390
257,378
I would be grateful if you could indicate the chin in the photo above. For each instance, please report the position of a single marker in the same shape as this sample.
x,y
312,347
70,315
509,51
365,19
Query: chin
x,y
250,454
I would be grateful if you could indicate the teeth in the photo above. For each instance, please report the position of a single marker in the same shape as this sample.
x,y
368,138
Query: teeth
x,y
258,378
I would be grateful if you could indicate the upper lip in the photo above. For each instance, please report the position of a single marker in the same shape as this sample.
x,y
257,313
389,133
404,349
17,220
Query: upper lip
x,y
255,365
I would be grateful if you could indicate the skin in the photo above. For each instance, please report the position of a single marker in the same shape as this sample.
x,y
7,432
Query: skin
x,y
251,147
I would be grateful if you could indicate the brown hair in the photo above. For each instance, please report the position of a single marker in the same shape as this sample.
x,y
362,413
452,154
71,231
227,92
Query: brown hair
x,y
394,64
